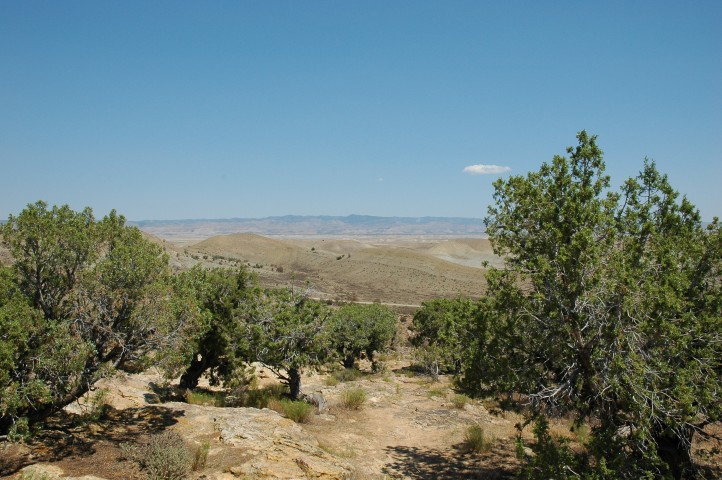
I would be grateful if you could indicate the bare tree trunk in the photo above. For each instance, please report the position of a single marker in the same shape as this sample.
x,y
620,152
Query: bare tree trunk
x,y
294,382
193,373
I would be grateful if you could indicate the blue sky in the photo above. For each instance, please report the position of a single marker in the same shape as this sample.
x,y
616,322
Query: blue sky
x,y
168,110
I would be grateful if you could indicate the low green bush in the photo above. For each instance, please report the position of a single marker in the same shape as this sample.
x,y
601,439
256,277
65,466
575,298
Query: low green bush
x,y
201,397
258,397
476,440
459,401
298,411
20,431
436,392
331,381
553,457
96,407
353,398
163,457
344,375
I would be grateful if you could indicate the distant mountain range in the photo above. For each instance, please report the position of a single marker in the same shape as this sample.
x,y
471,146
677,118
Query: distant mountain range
x,y
356,225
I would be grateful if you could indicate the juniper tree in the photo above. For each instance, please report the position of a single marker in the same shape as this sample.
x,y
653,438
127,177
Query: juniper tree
x,y
355,329
287,333
443,328
609,306
224,295
82,298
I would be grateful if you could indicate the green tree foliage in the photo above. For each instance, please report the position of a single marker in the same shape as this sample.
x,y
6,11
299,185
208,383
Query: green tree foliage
x,y
222,345
82,298
288,334
609,306
552,457
356,329
442,329
494,356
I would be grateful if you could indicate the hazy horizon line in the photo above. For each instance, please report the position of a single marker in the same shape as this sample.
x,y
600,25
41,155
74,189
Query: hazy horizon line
x,y
352,215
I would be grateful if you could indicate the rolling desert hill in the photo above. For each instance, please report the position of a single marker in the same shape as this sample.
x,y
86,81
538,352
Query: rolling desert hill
x,y
352,225
397,270
466,251
402,270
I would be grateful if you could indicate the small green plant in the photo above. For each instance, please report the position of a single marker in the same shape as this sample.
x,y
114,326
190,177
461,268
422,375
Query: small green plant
x,y
346,375
298,411
476,440
353,398
163,457
342,375
581,432
552,458
201,456
459,401
209,399
96,407
20,430
436,392
261,397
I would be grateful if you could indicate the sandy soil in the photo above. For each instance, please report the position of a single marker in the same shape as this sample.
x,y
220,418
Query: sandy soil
x,y
411,429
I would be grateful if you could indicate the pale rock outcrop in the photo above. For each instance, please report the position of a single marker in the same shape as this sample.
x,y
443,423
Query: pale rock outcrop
x,y
50,472
274,447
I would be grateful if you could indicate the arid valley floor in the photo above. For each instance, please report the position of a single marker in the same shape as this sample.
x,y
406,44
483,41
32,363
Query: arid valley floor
x,y
404,270
409,427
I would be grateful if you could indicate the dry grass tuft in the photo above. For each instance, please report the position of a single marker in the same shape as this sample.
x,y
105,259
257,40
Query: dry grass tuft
x,y
459,401
477,441
353,398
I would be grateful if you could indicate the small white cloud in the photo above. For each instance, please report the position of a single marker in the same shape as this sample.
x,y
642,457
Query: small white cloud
x,y
380,179
485,169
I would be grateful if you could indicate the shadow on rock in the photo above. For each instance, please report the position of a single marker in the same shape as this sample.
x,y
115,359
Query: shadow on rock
x,y
66,436
455,463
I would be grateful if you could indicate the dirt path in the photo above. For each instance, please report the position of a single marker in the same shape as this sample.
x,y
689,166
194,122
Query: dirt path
x,y
410,428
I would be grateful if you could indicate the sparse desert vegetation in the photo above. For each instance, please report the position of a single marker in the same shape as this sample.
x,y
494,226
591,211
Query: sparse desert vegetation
x,y
353,398
477,440
393,270
596,348
164,456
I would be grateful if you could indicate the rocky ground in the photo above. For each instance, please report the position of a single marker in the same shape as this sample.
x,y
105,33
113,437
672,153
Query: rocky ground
x,y
407,428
